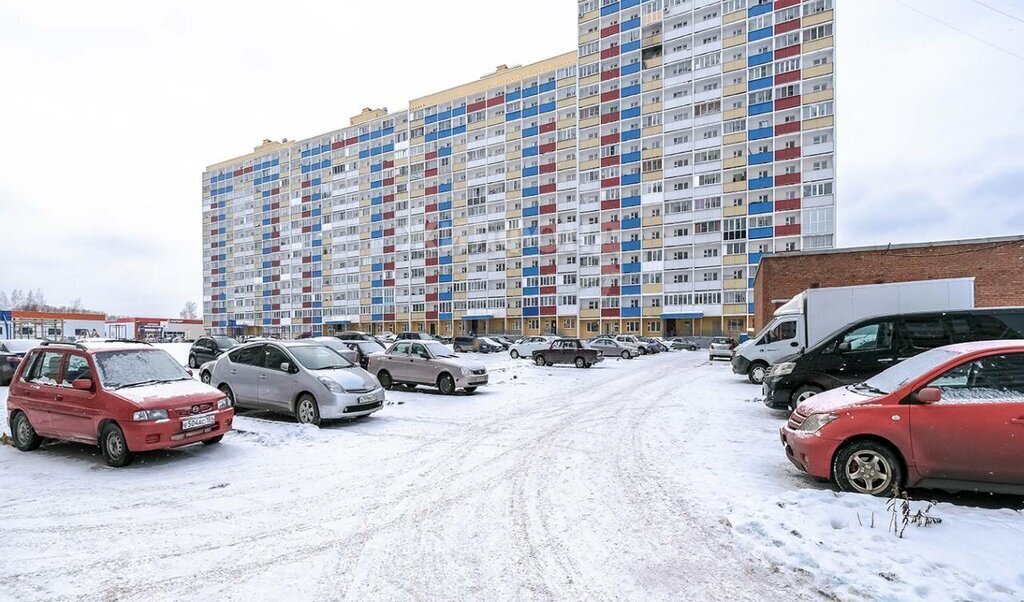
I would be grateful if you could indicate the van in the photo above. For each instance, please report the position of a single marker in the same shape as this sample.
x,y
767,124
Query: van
x,y
868,346
815,313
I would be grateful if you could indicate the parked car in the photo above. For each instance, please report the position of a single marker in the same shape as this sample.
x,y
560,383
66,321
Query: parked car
x,y
415,336
339,346
206,372
611,347
567,351
209,348
810,316
861,350
683,343
721,348
525,346
653,344
306,379
125,397
363,351
629,339
949,418
471,343
11,353
427,363
495,344
387,337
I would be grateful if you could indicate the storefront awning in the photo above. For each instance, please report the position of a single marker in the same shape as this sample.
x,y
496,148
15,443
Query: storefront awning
x,y
684,316
479,317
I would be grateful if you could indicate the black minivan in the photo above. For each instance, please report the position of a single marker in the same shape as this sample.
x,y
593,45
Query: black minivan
x,y
861,350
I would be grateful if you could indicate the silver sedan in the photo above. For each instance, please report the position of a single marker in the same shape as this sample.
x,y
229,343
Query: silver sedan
x,y
306,379
427,363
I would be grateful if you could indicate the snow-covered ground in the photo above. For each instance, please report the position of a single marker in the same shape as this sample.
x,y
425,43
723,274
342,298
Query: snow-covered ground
x,y
659,478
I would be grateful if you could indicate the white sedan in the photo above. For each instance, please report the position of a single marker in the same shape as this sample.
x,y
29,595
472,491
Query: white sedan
x,y
525,346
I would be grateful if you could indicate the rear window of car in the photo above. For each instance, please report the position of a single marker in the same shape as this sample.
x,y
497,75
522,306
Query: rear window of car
x,y
20,345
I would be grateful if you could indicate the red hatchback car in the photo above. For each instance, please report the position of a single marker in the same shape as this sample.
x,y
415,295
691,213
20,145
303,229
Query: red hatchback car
x,y
950,418
125,397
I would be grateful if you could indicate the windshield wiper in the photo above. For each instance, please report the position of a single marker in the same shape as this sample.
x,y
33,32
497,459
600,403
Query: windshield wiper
x,y
335,367
868,388
151,381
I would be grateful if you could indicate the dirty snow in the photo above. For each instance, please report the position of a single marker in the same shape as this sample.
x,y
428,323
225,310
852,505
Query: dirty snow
x,y
660,478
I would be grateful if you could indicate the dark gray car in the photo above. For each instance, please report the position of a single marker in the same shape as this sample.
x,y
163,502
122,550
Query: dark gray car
x,y
307,379
206,349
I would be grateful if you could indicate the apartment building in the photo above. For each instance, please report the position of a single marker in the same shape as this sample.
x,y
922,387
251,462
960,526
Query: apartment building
x,y
630,186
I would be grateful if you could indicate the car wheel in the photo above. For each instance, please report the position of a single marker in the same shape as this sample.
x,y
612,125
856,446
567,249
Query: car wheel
x,y
539,360
802,394
25,437
626,355
757,372
115,447
469,389
226,390
193,362
446,384
306,411
643,351
213,440
868,467
385,379
581,363
205,377
456,349
514,353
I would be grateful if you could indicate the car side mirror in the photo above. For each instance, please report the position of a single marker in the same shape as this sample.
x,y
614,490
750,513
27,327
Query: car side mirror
x,y
844,346
928,395
82,384
286,367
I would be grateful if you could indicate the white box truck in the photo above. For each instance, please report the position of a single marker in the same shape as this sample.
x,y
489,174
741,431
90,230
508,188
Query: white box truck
x,y
814,314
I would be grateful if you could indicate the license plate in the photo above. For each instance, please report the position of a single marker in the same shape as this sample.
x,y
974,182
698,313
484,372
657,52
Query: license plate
x,y
195,423
369,397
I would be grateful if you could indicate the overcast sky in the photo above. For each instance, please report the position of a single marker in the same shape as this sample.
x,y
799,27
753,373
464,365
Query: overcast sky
x,y
111,110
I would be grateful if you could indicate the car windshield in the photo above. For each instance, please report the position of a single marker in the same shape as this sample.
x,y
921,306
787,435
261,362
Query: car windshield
x,y
225,343
319,357
137,367
21,345
907,370
369,347
439,350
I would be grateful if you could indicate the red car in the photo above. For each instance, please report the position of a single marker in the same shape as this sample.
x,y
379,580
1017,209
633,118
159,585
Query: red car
x,y
125,397
950,418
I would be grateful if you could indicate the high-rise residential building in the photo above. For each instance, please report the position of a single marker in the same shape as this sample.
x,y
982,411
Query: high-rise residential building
x,y
631,186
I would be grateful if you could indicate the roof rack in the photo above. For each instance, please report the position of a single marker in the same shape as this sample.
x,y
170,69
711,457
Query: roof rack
x,y
76,345
135,341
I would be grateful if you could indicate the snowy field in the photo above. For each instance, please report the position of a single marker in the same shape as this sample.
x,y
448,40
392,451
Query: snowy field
x,y
660,478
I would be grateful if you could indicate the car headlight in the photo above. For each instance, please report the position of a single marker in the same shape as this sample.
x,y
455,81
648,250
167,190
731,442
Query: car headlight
x,y
223,403
466,371
143,415
332,385
782,369
814,422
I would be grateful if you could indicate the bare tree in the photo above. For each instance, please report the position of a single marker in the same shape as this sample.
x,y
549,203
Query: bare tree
x,y
17,298
76,305
189,311
4,302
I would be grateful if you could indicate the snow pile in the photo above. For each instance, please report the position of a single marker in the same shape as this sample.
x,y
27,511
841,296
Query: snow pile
x,y
828,535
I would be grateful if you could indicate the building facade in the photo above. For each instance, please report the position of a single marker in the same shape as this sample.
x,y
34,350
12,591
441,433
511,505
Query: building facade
x,y
154,329
629,186
996,264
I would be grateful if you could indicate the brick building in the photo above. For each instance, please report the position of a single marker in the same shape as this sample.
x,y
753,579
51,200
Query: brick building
x,y
996,264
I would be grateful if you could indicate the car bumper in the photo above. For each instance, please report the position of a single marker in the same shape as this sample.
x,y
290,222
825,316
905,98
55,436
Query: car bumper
x,y
740,364
164,434
776,393
352,405
720,353
6,373
473,380
808,452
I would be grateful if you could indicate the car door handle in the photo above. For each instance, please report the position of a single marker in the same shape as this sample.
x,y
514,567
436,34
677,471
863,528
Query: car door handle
x,y
1018,420
263,376
886,360
59,398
